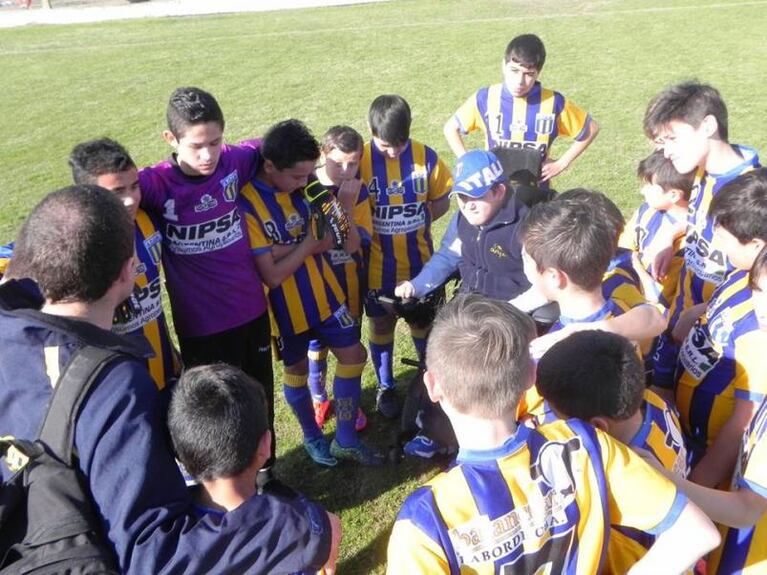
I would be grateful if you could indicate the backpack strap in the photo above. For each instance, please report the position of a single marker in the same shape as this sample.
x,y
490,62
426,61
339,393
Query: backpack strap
x,y
73,386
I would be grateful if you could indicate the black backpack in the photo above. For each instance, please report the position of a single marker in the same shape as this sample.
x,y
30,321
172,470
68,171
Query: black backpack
x,y
47,521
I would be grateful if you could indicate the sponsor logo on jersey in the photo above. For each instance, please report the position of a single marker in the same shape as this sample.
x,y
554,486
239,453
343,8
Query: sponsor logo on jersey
x,y
294,223
518,126
339,257
395,188
149,303
205,236
229,187
540,146
706,262
698,354
399,218
153,245
544,124
207,202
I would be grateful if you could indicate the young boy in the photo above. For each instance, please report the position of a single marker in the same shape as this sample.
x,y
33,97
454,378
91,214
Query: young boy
x,y
662,215
409,188
742,511
341,151
519,112
219,426
218,302
107,164
721,373
689,122
522,500
306,299
597,377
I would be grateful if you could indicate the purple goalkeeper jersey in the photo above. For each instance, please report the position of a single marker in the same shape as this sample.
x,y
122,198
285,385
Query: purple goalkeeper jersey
x,y
212,279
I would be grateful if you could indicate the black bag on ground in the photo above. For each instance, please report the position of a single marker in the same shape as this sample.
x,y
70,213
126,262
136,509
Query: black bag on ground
x,y
47,521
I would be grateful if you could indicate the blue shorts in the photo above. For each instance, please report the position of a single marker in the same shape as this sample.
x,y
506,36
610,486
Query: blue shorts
x,y
339,330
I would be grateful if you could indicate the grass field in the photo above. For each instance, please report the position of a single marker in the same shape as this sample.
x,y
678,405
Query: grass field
x,y
62,85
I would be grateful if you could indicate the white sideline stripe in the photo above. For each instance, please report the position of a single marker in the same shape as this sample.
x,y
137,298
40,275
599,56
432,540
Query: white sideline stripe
x,y
316,3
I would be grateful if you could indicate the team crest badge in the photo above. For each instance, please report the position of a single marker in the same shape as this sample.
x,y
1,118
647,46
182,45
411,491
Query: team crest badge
x,y
544,124
229,187
153,245
294,223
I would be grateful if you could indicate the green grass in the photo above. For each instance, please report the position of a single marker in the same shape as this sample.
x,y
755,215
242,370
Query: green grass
x,y
62,85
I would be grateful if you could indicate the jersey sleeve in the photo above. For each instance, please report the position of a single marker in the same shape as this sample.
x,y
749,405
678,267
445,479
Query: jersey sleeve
x,y
363,216
628,238
467,116
750,368
259,241
153,190
573,122
754,476
440,181
627,475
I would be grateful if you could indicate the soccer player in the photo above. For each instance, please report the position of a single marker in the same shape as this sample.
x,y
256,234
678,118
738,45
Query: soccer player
x,y
409,188
219,426
107,164
306,299
519,112
721,373
341,151
532,501
597,377
689,122
218,302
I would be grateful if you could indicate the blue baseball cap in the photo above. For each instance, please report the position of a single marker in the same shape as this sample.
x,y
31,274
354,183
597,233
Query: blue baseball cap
x,y
475,173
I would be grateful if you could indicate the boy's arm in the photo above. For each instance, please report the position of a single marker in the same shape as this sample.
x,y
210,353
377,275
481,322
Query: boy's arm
x,y
552,168
273,272
677,548
686,320
439,207
649,287
718,464
454,138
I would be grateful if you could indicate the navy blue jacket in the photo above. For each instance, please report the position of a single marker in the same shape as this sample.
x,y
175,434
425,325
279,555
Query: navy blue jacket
x,y
136,486
491,255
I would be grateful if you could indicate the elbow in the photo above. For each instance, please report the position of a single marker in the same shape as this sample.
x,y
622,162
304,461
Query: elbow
x,y
271,281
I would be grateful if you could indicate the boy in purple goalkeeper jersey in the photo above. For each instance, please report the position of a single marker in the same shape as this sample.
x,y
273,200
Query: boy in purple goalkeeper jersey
x,y
218,302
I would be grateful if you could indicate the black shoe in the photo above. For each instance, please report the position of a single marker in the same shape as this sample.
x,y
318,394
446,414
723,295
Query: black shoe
x,y
387,403
267,482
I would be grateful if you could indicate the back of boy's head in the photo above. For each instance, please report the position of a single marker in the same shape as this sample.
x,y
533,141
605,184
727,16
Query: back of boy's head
x,y
657,169
592,374
526,50
216,418
288,142
689,102
478,349
604,207
189,107
569,236
343,138
740,206
389,118
94,158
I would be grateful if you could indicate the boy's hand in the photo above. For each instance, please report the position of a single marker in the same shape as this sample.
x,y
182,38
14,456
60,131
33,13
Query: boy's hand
x,y
661,263
348,192
685,322
405,290
335,543
552,168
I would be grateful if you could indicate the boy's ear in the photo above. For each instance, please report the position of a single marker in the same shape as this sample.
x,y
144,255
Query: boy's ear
x,y
433,388
169,138
710,126
556,278
600,423
269,167
264,450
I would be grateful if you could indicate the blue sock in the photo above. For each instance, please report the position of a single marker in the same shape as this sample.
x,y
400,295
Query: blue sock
x,y
381,352
346,390
300,401
318,367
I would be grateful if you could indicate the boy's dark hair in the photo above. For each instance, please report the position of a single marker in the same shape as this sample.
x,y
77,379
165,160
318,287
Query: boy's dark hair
x,y
289,142
689,102
740,206
389,117
191,106
526,50
92,159
604,208
569,236
344,138
216,418
758,270
658,169
590,374
75,243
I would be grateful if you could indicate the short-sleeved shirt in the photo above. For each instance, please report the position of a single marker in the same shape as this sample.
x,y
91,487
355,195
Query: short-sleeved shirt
x,y
532,121
704,265
164,366
611,308
721,360
540,503
621,281
212,279
311,294
644,233
745,550
400,191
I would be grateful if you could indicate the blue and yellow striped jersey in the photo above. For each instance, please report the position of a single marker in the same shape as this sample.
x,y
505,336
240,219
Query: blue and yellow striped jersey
x,y
704,265
621,281
646,233
533,121
744,550
6,252
400,192
540,503
149,322
720,360
312,293
611,308
351,269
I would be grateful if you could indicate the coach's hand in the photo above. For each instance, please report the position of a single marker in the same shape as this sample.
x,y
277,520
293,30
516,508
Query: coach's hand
x,y
405,290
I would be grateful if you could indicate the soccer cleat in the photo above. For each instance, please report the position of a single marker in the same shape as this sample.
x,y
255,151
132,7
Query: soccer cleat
x,y
387,403
359,453
320,452
323,411
422,446
362,421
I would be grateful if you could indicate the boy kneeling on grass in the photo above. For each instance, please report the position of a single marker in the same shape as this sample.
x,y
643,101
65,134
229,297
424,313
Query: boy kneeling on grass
x,y
521,500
